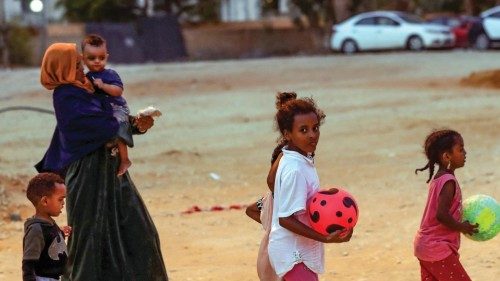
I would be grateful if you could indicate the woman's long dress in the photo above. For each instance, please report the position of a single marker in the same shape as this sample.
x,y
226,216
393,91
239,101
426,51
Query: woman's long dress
x,y
113,236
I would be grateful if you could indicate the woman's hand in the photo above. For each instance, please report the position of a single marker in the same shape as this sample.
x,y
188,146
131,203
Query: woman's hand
x,y
143,123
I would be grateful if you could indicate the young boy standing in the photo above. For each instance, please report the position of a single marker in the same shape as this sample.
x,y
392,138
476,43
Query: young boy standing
x,y
44,248
109,83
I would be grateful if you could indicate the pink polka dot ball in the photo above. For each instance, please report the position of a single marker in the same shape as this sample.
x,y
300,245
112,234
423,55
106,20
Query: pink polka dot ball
x,y
332,209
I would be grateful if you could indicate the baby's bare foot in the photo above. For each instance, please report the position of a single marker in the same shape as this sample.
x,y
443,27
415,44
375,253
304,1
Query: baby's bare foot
x,y
124,165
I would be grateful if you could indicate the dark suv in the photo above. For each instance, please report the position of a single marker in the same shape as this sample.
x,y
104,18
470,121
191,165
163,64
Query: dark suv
x,y
485,32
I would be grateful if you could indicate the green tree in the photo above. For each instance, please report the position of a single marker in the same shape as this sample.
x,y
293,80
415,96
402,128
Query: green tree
x,y
191,11
433,6
128,10
100,10
318,12
475,7
471,7
20,45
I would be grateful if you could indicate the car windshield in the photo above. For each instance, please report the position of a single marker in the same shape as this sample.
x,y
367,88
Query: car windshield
x,y
411,18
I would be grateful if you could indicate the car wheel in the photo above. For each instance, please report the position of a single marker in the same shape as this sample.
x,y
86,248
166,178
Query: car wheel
x,y
482,42
415,43
349,47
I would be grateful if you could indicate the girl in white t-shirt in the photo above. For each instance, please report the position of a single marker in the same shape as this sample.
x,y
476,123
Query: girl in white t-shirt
x,y
295,249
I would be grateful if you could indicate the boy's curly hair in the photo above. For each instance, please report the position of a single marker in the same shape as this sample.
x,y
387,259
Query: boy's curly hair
x,y
436,143
41,185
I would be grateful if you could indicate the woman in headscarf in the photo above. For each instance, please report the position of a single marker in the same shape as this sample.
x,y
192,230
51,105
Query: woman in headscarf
x,y
113,236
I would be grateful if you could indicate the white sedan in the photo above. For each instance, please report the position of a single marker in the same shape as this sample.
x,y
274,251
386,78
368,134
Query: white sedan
x,y
388,30
485,33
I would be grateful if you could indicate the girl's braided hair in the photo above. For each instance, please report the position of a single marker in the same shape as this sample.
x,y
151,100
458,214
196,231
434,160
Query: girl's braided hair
x,y
435,144
288,105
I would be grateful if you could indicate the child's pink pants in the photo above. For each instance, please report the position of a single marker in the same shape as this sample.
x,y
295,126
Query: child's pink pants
x,y
300,272
448,269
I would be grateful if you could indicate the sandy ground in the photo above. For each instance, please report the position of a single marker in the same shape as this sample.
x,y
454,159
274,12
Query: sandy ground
x,y
219,119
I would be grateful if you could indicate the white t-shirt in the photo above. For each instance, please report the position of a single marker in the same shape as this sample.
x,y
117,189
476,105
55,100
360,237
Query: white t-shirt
x,y
296,181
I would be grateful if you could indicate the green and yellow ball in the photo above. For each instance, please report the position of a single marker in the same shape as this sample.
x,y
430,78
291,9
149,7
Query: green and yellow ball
x,y
485,211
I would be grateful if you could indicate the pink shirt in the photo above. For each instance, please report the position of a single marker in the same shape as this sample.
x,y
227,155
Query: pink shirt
x,y
434,241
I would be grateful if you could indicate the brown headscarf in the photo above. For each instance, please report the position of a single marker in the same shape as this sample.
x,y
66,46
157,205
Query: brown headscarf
x,y
59,67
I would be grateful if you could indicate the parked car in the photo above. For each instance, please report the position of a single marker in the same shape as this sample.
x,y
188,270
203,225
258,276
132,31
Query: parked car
x,y
459,25
485,33
388,30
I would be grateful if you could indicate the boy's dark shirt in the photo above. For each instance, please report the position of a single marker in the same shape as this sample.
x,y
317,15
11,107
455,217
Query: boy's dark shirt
x,y
44,250
108,76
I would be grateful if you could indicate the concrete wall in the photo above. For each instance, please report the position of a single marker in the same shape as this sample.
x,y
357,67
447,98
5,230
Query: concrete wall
x,y
222,41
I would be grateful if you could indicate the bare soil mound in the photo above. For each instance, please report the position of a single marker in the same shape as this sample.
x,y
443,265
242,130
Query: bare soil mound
x,y
483,79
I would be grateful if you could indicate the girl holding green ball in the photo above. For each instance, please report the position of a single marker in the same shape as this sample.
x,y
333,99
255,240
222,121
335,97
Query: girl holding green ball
x,y
438,239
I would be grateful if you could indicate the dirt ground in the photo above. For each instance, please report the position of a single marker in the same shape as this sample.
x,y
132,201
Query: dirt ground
x,y
212,147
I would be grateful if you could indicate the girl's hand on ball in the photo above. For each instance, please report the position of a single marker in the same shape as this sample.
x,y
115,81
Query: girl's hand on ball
x,y
339,236
468,228
346,232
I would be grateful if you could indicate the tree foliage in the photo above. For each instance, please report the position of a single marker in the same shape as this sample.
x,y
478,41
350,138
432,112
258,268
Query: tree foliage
x,y
433,6
318,12
127,10
100,10
20,45
192,11
477,6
